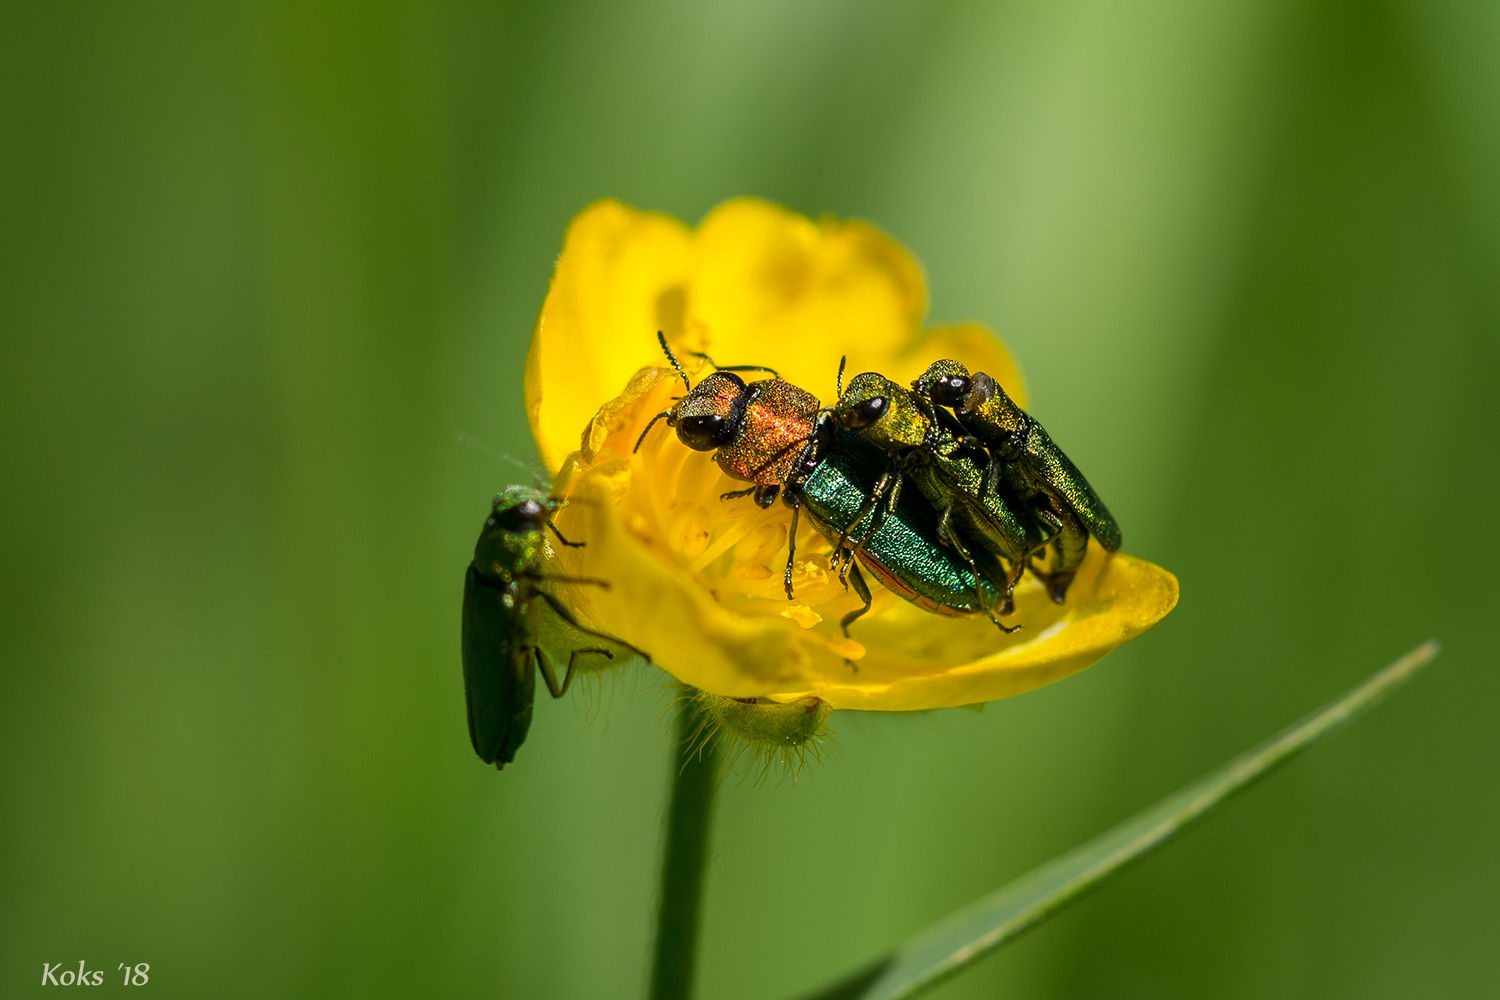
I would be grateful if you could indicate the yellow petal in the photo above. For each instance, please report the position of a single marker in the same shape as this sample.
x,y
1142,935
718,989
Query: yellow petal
x,y
658,606
973,344
621,277
770,287
696,581
924,661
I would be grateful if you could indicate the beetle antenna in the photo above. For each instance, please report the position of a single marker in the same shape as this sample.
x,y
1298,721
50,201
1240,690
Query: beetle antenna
x,y
661,338
641,440
560,538
842,362
735,368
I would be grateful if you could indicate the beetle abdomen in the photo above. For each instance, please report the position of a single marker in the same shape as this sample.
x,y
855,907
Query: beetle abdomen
x,y
499,684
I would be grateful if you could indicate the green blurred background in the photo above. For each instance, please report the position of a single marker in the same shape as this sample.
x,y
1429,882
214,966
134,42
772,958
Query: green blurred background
x,y
263,264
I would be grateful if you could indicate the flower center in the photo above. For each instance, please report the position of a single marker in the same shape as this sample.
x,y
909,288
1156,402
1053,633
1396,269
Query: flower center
x,y
733,548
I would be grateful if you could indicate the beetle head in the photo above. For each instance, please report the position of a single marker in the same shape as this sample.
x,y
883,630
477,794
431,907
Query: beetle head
x,y
520,509
881,411
944,382
708,417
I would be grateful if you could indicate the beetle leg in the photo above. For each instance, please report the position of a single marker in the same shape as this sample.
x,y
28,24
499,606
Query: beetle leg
x,y
549,676
944,529
1052,523
1071,541
847,561
573,658
861,589
567,616
736,494
1014,572
991,475
1007,629
870,509
864,511
590,580
791,548
851,550
946,534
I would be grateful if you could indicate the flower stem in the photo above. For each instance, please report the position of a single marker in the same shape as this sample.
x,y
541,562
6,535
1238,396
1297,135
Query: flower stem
x,y
684,855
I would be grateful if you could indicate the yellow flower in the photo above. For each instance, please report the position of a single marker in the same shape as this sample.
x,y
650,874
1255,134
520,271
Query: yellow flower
x,y
697,581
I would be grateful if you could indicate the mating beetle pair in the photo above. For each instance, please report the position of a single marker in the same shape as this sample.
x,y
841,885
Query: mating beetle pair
x,y
994,491
986,464
775,435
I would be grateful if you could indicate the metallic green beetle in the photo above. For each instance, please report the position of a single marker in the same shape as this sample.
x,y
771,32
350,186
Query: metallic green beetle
x,y
503,618
947,465
833,481
1024,455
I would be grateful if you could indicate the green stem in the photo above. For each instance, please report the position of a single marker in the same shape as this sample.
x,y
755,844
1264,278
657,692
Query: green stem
x,y
684,855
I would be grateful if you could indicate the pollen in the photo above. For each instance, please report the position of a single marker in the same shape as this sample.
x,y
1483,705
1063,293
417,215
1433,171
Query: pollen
x,y
849,649
801,614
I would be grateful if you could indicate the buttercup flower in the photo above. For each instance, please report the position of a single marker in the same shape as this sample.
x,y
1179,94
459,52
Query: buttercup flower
x,y
696,581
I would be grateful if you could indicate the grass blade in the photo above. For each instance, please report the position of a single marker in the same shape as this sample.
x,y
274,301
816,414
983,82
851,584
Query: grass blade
x,y
959,940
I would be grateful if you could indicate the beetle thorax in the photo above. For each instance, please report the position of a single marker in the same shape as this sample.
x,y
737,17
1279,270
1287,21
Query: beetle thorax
x,y
775,424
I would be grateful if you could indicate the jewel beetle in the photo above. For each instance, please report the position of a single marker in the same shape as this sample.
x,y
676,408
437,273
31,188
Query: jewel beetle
x,y
833,481
946,464
1023,453
755,430
503,609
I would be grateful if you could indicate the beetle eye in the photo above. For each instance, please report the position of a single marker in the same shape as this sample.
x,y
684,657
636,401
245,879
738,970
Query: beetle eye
x,y
704,432
526,515
950,390
867,411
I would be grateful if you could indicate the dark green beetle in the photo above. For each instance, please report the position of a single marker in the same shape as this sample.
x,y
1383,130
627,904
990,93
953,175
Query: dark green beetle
x,y
833,481
924,444
1025,457
503,617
